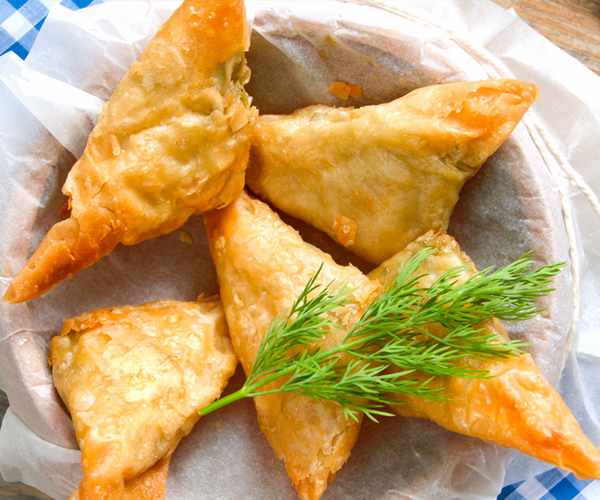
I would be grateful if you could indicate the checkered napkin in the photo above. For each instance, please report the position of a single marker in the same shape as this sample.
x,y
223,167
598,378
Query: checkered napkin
x,y
554,484
20,21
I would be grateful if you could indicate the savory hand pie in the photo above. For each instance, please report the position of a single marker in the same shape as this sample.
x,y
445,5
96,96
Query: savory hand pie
x,y
262,266
516,407
377,177
134,379
172,141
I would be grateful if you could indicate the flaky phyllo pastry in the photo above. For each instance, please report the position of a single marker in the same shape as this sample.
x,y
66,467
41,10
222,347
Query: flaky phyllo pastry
x,y
516,407
262,266
134,379
377,177
172,141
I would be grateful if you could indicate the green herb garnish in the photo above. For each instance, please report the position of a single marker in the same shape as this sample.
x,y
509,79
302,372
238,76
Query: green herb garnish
x,y
392,333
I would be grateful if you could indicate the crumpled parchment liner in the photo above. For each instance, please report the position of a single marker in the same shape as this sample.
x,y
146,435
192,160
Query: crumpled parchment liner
x,y
298,50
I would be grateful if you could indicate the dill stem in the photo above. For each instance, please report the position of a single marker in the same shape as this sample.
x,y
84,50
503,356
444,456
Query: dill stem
x,y
242,393
248,390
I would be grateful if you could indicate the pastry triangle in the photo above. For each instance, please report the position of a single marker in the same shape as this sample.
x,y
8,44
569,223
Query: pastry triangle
x,y
134,379
375,178
517,407
263,265
149,485
172,141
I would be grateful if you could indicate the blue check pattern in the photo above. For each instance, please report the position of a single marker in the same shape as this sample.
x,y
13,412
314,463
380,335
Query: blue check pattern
x,y
20,22
554,484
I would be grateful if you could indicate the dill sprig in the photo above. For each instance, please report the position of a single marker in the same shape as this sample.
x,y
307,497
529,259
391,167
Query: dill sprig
x,y
393,333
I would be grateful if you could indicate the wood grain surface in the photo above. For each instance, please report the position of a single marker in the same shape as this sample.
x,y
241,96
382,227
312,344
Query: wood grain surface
x,y
573,25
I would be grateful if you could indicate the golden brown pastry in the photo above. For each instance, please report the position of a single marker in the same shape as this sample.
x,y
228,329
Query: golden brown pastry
x,y
262,266
517,407
172,141
134,379
377,177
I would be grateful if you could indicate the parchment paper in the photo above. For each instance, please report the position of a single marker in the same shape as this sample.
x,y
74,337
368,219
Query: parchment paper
x,y
521,199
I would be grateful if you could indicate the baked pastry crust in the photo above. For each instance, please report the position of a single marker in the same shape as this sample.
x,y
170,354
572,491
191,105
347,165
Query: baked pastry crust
x,y
134,379
377,177
517,407
172,141
262,266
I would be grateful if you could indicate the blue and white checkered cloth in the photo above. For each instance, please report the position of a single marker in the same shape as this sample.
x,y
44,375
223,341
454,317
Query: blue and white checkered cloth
x,y
554,484
20,21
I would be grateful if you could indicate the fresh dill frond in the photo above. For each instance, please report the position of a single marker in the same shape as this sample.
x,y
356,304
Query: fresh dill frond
x,y
393,338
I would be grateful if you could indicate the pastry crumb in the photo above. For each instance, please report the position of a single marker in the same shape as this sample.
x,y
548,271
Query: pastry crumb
x,y
344,90
345,230
331,41
185,237
323,54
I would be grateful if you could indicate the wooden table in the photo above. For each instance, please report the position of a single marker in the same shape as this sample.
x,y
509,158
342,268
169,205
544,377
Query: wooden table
x,y
573,25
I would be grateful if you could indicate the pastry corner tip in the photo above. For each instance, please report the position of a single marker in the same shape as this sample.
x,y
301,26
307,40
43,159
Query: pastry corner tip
x,y
10,296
